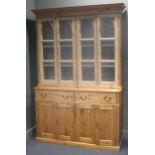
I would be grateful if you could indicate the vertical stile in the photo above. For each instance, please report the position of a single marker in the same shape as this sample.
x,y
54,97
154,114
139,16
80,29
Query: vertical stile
x,y
58,50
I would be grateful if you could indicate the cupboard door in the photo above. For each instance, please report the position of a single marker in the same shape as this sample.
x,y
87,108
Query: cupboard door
x,y
86,49
66,49
46,119
85,123
104,125
64,121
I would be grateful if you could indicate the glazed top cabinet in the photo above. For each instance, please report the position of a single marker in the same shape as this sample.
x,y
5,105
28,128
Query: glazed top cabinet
x,y
78,97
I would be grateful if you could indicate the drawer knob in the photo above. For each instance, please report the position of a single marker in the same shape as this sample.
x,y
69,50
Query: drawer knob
x,y
83,98
107,98
65,97
43,94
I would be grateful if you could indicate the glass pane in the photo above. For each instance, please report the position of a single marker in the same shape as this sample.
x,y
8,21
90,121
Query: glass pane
x,y
65,29
108,72
66,71
86,28
66,50
87,49
48,51
49,71
107,27
47,30
88,71
107,50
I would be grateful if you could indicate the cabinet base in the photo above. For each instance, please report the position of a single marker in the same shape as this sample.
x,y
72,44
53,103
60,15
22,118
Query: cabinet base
x,y
114,148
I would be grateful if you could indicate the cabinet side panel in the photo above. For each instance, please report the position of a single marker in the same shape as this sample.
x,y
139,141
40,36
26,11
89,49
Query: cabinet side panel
x,y
117,125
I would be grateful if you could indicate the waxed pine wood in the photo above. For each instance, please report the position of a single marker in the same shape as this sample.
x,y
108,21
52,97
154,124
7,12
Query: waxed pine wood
x,y
77,112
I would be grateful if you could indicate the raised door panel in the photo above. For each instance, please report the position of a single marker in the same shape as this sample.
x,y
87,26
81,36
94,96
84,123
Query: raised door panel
x,y
104,125
65,121
46,119
85,123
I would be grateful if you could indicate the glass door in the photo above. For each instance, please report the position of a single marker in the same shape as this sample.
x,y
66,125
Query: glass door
x,y
87,49
48,50
66,50
107,49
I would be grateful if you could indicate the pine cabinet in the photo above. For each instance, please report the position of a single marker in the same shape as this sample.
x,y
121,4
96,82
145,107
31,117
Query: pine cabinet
x,y
78,96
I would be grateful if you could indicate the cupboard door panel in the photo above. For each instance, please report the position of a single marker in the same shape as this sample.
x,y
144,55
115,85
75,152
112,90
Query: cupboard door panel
x,y
87,30
64,121
108,50
66,71
66,50
104,125
46,119
47,30
65,29
88,71
85,123
87,50
107,27
49,71
108,72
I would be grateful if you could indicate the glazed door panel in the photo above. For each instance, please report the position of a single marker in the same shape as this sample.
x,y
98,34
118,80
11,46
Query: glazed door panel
x,y
65,121
46,119
85,123
104,125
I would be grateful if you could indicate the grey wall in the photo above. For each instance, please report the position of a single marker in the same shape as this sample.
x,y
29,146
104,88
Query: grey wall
x,y
62,3
30,4
30,69
125,73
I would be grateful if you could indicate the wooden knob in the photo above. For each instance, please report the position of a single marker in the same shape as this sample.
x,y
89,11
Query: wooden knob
x,y
65,97
43,94
83,98
107,98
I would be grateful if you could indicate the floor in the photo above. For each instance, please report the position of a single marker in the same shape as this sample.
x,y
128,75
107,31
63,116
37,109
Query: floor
x,y
35,148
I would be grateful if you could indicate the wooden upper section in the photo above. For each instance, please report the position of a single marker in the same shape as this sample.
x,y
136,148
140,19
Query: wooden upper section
x,y
78,10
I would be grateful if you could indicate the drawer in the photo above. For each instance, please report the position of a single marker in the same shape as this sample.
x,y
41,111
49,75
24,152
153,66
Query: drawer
x,y
108,98
44,95
55,96
64,97
94,97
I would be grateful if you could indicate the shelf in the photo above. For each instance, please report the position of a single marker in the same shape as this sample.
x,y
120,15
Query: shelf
x,y
65,40
86,60
87,39
108,60
107,39
48,44
66,61
107,65
47,41
48,61
88,64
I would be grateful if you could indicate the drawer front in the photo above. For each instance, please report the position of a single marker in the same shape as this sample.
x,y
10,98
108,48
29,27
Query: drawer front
x,y
55,96
64,97
44,95
107,98
93,97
